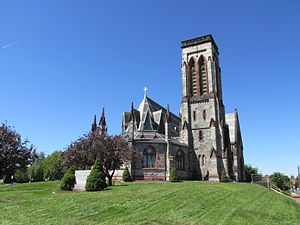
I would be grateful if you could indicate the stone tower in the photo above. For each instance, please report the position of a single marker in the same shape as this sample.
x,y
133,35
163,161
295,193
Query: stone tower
x,y
203,125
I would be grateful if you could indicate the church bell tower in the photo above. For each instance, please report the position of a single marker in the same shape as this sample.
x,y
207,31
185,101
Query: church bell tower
x,y
202,110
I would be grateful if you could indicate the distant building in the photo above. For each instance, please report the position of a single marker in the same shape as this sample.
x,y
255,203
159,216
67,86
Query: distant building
x,y
201,142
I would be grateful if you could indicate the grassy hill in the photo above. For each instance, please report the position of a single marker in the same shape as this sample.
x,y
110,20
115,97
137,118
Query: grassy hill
x,y
191,202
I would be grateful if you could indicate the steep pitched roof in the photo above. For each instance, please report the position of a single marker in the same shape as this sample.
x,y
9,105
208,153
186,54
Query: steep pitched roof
x,y
150,117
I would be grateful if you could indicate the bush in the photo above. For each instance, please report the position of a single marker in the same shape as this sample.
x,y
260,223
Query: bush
x,y
248,171
223,176
280,180
96,180
126,175
68,180
21,176
174,175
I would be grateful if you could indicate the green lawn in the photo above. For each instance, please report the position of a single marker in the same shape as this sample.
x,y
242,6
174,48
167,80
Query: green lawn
x,y
191,202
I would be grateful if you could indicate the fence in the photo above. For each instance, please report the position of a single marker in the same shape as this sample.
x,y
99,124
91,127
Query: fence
x,y
261,180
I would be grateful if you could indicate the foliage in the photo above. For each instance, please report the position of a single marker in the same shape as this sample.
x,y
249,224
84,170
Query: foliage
x,y
114,151
14,153
248,171
173,175
169,203
280,180
96,180
36,171
297,184
126,175
21,176
53,167
223,176
68,180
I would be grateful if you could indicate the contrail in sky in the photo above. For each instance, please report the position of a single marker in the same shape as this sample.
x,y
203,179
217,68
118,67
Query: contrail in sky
x,y
8,45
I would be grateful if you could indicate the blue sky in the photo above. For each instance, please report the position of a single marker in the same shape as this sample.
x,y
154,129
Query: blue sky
x,y
62,61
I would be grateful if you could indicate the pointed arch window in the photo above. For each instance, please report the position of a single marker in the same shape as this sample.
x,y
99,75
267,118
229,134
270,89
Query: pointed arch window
x,y
149,156
204,114
180,159
193,77
203,76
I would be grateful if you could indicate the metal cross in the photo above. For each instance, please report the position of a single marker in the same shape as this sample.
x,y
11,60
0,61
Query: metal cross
x,y
145,90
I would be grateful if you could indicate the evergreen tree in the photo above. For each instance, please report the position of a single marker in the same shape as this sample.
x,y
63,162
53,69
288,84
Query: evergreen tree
x,y
68,180
126,175
21,176
174,175
96,180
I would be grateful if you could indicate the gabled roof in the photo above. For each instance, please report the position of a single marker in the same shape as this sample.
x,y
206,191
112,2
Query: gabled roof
x,y
150,117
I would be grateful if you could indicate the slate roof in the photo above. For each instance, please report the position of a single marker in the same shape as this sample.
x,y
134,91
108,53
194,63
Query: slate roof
x,y
150,116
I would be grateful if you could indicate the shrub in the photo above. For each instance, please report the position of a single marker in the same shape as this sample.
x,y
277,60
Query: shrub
x,y
280,180
21,176
248,171
68,180
96,180
126,175
223,176
174,175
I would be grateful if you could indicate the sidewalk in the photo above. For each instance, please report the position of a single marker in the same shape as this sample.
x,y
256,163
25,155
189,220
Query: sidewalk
x,y
296,197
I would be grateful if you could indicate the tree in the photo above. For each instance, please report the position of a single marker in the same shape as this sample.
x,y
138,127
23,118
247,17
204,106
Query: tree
x,y
52,166
68,180
114,152
280,180
36,171
248,171
223,176
173,175
79,154
96,180
126,175
14,153
21,175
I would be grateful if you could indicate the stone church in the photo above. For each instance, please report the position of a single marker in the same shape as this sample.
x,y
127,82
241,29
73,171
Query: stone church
x,y
201,142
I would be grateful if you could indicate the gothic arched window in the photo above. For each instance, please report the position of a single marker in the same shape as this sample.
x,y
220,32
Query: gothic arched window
x,y
149,155
193,77
180,159
203,76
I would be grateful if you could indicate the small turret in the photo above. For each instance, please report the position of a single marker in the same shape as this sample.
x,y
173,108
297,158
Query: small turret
x,y
132,113
102,124
167,121
94,125
168,115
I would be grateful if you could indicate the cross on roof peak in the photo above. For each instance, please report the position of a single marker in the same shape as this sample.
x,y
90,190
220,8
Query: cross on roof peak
x,y
145,91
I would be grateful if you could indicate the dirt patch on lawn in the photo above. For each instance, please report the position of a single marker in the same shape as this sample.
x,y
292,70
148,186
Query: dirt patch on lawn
x,y
66,192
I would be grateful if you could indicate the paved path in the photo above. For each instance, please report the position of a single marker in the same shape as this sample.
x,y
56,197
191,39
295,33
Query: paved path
x,y
296,197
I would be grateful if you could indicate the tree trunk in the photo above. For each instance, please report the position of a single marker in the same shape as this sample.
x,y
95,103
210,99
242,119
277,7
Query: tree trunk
x,y
110,177
109,181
